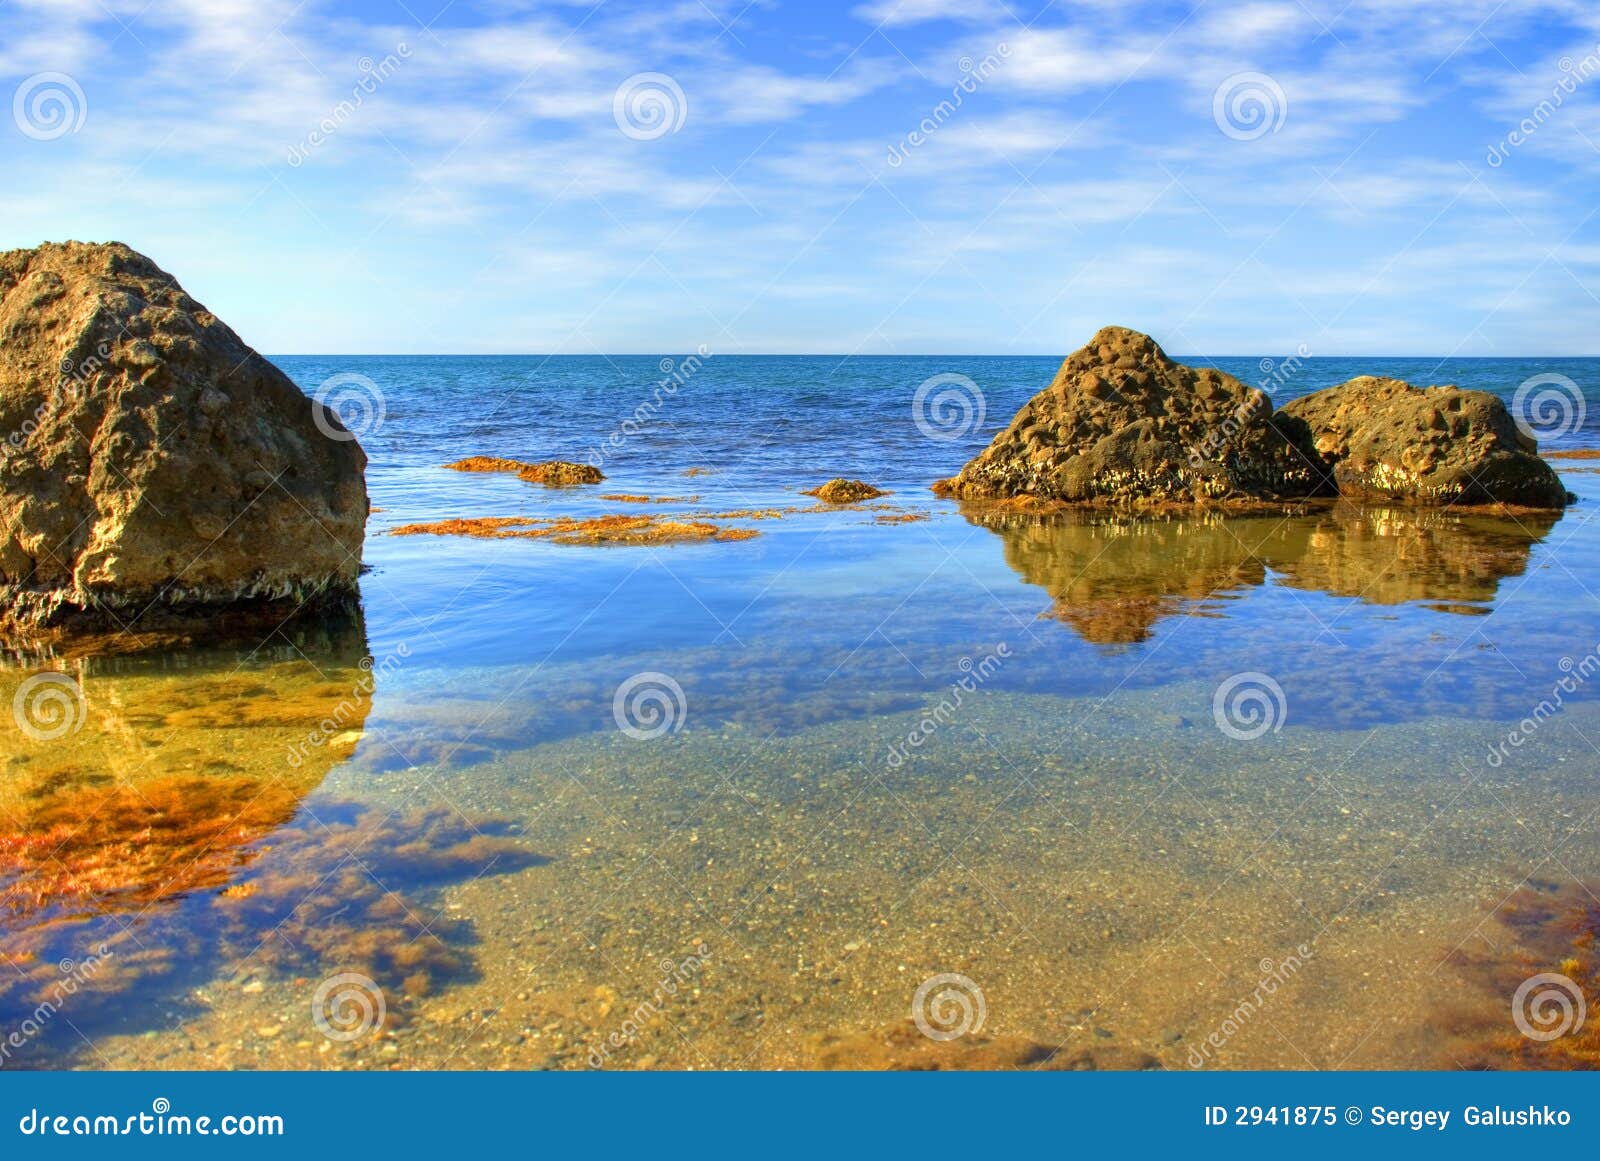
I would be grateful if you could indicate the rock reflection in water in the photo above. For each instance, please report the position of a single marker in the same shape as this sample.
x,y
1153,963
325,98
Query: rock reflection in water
x,y
1113,577
129,780
152,829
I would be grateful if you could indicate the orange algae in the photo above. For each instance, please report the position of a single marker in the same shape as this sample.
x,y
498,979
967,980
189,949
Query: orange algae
x,y
554,473
342,889
640,530
746,514
632,498
92,848
628,528
692,472
842,491
486,464
612,529
351,888
1550,964
480,526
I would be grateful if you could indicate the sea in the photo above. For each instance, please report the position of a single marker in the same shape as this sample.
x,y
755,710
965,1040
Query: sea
x,y
893,784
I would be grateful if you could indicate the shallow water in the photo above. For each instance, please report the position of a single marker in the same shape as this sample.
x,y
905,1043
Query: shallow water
x,y
729,805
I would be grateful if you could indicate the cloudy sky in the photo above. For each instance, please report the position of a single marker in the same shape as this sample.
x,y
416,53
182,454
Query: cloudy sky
x,y
893,176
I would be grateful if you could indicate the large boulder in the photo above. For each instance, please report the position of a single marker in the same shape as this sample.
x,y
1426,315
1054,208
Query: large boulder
x,y
1384,439
150,460
1124,424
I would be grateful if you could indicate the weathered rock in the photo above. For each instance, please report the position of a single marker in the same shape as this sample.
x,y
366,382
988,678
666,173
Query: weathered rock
x,y
1384,439
560,473
1124,424
153,461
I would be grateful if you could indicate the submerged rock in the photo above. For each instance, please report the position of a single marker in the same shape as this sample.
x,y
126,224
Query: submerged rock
x,y
843,491
1384,439
1124,424
560,474
554,473
150,459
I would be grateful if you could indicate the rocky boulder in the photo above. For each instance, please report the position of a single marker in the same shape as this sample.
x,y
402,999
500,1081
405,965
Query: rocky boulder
x,y
1384,439
1124,424
150,461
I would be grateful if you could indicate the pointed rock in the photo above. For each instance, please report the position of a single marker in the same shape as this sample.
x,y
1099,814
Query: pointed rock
x,y
1124,424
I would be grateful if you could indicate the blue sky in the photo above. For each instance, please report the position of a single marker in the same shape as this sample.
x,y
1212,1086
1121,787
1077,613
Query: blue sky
x,y
490,191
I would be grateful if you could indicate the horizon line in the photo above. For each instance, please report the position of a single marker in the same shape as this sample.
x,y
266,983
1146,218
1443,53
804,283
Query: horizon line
x,y
907,355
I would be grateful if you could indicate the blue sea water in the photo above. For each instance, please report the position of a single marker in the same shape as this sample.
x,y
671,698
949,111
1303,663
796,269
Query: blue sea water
x,y
919,596
1104,770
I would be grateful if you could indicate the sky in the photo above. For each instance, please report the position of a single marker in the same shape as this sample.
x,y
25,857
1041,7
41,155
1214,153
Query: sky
x,y
881,177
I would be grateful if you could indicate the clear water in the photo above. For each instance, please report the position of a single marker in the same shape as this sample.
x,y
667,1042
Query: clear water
x,y
891,750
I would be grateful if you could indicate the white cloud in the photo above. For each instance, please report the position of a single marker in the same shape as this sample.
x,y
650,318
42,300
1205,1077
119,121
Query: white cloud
x,y
1065,60
764,94
895,13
